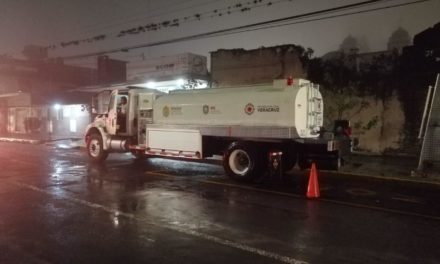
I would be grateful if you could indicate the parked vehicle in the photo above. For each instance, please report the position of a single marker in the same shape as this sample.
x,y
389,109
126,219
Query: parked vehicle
x,y
243,124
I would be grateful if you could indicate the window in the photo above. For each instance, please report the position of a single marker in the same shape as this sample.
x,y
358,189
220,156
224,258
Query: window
x,y
112,102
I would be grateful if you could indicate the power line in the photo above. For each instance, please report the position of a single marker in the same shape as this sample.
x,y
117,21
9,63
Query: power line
x,y
330,17
244,6
238,7
102,37
92,28
259,25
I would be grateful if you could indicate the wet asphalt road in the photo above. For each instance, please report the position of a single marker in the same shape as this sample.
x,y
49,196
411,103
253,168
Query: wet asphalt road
x,y
57,208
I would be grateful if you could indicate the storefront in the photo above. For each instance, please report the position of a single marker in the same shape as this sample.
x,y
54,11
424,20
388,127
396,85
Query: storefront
x,y
58,120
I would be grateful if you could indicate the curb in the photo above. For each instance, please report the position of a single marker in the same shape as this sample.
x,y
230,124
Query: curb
x,y
19,140
388,178
35,141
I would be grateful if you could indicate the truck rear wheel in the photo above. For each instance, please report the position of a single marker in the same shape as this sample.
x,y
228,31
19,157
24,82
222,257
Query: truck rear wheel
x,y
242,163
95,148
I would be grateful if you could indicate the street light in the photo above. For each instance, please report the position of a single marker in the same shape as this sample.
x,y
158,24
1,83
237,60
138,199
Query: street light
x,y
150,84
180,82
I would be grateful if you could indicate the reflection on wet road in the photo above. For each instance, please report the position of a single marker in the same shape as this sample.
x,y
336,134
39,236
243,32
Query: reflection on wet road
x,y
57,208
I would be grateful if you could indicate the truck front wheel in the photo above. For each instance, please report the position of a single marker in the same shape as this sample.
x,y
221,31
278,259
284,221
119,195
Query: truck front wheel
x,y
241,162
95,148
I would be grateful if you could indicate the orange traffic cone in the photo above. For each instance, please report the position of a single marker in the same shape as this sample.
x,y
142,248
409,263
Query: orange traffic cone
x,y
313,188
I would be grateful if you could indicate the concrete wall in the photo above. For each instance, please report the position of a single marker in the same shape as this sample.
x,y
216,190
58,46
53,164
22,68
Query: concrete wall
x,y
377,124
263,65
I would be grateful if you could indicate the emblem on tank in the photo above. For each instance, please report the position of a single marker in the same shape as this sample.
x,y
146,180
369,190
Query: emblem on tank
x,y
166,111
249,109
205,109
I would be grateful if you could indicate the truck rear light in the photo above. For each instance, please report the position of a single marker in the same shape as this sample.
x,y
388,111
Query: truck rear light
x,y
275,153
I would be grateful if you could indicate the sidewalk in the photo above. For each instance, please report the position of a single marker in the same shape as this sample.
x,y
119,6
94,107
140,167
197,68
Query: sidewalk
x,y
36,138
382,167
399,168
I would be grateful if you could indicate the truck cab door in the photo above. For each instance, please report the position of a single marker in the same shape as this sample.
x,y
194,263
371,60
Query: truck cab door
x,y
145,116
112,115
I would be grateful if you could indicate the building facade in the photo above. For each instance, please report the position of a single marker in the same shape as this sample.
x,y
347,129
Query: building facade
x,y
34,93
263,65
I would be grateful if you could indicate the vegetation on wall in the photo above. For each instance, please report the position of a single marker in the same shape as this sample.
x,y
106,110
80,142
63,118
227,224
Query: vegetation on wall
x,y
347,79
357,75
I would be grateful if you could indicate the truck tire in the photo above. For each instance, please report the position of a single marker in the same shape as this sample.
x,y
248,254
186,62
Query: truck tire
x,y
95,148
242,162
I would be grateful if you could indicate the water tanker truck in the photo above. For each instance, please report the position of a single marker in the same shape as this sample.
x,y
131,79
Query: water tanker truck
x,y
244,125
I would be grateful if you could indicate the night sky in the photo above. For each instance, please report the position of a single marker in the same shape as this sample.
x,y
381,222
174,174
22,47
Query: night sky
x,y
50,22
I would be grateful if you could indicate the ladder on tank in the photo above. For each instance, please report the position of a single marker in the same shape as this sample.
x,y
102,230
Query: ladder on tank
x,y
314,106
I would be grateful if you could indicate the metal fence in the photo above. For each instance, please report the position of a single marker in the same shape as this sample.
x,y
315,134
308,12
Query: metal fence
x,y
430,130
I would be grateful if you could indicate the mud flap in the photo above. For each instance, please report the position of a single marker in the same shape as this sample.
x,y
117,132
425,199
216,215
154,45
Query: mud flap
x,y
276,164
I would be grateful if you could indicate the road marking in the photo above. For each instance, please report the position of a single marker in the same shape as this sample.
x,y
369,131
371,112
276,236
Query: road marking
x,y
375,208
231,185
407,199
174,227
360,192
251,188
327,200
160,173
325,188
